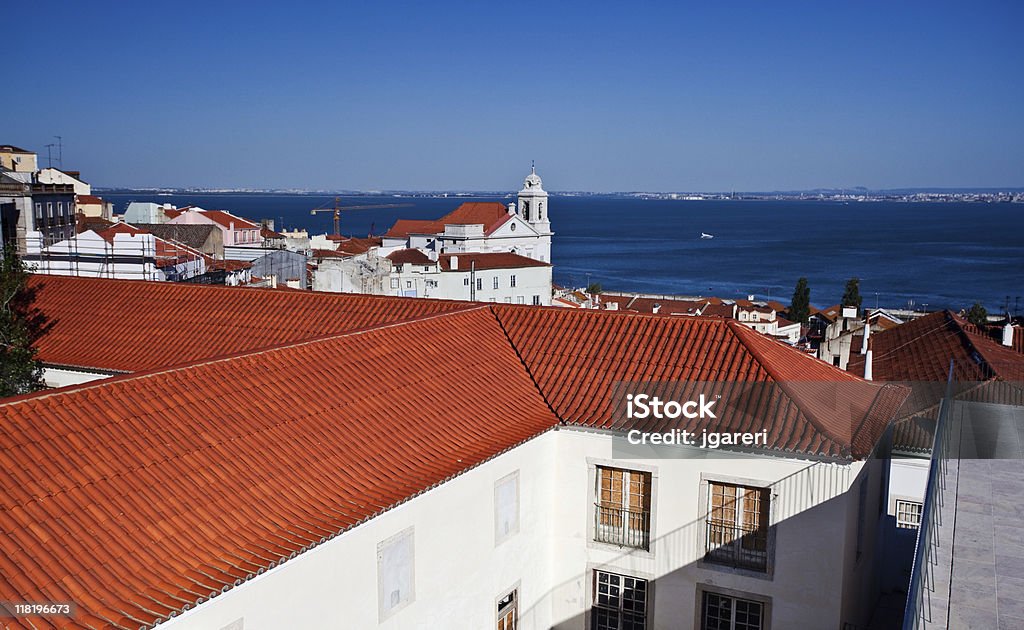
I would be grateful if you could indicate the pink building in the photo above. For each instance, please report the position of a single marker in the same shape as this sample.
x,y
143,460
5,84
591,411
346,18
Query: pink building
x,y
236,230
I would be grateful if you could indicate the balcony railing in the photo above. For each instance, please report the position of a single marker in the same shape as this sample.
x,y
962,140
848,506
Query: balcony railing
x,y
919,612
622,526
737,546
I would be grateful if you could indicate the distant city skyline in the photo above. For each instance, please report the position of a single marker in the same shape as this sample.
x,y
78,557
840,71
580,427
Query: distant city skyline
x,y
660,97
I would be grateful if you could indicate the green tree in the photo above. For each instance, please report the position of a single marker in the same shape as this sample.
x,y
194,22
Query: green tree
x,y
21,324
851,297
594,288
977,315
800,306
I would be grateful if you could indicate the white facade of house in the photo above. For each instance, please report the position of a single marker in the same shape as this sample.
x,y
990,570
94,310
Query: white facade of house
x,y
56,176
128,257
236,230
517,285
524,521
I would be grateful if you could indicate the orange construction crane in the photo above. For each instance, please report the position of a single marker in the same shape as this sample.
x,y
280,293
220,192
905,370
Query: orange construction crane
x,y
337,209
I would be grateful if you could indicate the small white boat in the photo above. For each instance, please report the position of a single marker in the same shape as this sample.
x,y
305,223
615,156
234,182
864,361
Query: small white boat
x,y
705,235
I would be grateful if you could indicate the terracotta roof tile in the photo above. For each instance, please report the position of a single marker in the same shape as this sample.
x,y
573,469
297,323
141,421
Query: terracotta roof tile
x,y
148,482
135,325
494,260
577,357
159,503
490,214
409,256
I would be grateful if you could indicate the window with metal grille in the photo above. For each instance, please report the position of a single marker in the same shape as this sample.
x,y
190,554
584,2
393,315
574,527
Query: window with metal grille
x,y
908,514
508,612
512,281
622,512
620,602
737,526
720,612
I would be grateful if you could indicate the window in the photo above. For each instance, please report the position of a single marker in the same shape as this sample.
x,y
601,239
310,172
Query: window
x,y
908,514
465,282
506,507
536,300
395,572
508,611
479,284
737,526
512,281
49,209
720,612
620,602
622,512
520,299
394,283
408,284
495,282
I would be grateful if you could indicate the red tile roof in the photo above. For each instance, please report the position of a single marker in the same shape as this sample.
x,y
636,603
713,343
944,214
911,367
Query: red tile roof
x,y
577,356
227,265
352,245
404,227
226,219
158,505
135,325
88,199
161,461
495,260
920,350
636,304
490,214
409,256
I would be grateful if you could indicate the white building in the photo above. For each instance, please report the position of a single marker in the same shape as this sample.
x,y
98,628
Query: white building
x,y
458,467
483,227
490,277
121,252
67,178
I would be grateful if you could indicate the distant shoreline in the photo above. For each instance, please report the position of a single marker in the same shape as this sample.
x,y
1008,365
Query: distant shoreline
x,y
1008,195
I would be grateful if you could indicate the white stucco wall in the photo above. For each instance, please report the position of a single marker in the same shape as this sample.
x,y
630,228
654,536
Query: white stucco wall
x,y
459,571
61,377
908,479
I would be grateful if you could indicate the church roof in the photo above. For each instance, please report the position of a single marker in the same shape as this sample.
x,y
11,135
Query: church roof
x,y
490,214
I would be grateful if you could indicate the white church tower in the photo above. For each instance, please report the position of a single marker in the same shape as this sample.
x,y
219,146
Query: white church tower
x,y
533,208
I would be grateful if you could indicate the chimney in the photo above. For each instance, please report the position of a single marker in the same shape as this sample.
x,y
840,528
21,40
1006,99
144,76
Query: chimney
x,y
867,333
656,308
512,209
1008,335
867,366
453,263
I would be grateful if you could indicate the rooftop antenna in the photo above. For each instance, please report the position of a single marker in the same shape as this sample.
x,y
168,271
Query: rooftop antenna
x,y
533,167
60,151
49,155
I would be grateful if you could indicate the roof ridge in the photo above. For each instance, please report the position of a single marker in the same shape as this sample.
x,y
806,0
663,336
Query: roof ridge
x,y
526,367
782,382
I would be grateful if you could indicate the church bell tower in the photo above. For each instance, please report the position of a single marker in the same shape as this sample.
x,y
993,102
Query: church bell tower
x,y
533,208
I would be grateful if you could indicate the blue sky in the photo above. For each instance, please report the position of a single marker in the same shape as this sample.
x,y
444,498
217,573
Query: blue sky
x,y
462,95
